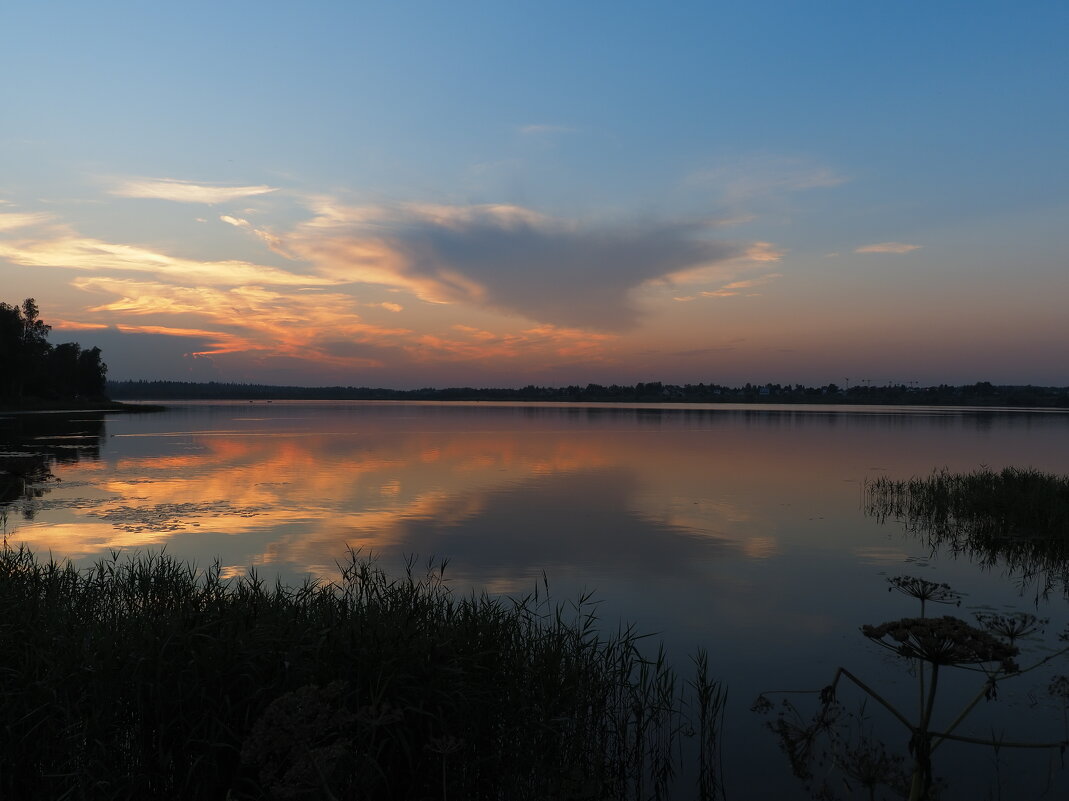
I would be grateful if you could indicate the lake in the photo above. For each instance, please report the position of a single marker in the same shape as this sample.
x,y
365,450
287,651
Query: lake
x,y
741,529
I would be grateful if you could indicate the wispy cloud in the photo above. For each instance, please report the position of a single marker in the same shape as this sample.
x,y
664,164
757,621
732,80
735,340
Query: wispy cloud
x,y
717,272
887,247
764,252
740,287
760,176
69,251
219,342
185,191
753,282
11,220
74,325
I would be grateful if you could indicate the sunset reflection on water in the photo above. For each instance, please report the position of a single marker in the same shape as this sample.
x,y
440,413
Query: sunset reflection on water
x,y
296,496
292,486
741,530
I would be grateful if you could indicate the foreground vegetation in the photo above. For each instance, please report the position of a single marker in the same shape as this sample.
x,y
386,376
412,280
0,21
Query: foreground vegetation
x,y
834,751
1016,518
142,677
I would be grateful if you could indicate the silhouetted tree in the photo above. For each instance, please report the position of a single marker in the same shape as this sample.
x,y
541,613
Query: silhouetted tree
x,y
24,347
31,367
92,374
63,367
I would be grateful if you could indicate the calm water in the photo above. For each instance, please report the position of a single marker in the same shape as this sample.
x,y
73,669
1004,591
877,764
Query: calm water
x,y
738,529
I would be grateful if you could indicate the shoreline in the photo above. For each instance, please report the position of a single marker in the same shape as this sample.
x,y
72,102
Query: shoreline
x,y
55,407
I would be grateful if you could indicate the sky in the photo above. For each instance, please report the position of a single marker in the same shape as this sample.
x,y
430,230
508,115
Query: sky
x,y
412,194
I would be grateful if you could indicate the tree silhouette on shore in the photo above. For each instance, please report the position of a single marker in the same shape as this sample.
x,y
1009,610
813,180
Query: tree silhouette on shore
x,y
33,369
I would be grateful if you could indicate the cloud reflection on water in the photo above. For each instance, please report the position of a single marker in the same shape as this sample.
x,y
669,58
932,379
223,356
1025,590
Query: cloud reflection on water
x,y
296,497
494,488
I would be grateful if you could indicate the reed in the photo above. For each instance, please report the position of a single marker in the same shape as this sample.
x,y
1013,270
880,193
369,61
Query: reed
x,y
145,677
1017,517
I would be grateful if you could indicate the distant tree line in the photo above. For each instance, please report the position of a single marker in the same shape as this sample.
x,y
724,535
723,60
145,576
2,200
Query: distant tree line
x,y
33,369
980,394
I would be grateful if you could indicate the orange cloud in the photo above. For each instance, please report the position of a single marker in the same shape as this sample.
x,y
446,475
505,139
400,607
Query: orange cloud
x,y
752,282
322,328
224,343
84,253
271,322
719,293
729,290
71,325
532,343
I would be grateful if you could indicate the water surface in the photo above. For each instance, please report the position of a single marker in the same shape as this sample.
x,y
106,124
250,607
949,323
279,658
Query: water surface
x,y
740,529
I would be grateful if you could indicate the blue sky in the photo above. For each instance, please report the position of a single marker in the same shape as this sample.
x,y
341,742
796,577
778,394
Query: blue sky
x,y
406,194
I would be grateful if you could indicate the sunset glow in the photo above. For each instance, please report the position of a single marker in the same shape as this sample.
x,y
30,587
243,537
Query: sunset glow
x,y
412,195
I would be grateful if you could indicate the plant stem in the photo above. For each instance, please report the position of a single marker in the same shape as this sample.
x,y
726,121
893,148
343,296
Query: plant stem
x,y
965,711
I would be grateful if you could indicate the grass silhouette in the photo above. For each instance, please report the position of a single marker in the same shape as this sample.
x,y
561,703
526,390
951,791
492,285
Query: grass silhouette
x,y
144,677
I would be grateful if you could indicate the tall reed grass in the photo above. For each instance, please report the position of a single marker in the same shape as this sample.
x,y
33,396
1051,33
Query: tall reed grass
x,y
143,677
1016,517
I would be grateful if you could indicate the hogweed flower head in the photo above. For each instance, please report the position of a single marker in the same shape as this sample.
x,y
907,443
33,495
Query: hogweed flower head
x,y
924,591
1012,627
943,641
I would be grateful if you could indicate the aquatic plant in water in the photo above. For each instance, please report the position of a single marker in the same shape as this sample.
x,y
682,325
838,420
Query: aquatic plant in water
x,y
924,591
1016,517
841,745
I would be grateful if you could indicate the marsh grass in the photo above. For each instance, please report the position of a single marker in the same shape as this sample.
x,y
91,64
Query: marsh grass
x,y
144,677
1017,517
